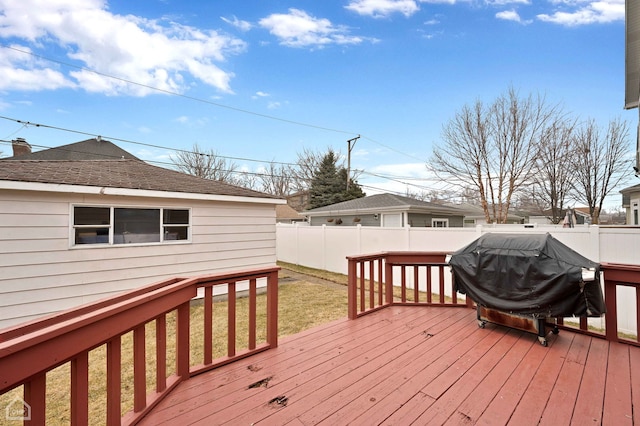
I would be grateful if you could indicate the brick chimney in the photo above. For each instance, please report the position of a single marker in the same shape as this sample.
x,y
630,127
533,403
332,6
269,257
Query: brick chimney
x,y
20,147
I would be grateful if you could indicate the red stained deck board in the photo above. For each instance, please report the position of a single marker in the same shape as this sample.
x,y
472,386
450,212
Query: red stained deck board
x,y
480,398
634,361
374,370
505,401
231,385
315,401
369,391
559,408
588,408
472,378
534,400
407,413
402,384
617,399
229,401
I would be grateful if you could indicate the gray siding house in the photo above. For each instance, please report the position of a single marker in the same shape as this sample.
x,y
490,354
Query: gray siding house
x,y
386,210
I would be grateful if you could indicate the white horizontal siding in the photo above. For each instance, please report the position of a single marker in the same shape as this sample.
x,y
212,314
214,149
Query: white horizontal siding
x,y
40,273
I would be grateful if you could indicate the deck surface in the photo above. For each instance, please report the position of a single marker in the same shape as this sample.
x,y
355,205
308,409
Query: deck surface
x,y
416,365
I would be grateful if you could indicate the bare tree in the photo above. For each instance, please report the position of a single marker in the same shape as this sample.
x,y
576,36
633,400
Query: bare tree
x,y
599,163
276,179
493,149
551,183
206,164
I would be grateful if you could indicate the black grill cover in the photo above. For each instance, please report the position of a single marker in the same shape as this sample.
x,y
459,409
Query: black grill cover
x,y
532,275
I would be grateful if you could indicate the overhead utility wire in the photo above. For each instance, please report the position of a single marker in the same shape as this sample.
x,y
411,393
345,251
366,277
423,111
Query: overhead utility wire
x,y
169,92
40,125
193,98
79,132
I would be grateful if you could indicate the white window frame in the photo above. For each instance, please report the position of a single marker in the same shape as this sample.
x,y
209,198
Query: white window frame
x,y
435,220
110,227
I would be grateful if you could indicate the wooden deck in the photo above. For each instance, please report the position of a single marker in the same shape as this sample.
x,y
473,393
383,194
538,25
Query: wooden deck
x,y
416,365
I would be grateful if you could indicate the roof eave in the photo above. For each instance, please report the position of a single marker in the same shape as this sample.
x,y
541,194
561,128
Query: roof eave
x,y
127,192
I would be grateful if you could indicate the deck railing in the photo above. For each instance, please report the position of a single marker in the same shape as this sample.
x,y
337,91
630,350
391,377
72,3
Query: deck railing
x,y
423,278
391,278
28,352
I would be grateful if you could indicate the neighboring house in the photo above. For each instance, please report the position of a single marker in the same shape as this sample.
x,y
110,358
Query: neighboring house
x,y
474,215
90,149
299,201
73,231
631,203
386,210
286,214
578,216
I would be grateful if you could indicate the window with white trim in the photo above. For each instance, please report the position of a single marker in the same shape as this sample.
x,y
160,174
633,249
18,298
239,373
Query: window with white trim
x,y
439,223
129,225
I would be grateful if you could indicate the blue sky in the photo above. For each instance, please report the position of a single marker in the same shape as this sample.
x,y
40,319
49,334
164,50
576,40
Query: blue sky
x,y
265,80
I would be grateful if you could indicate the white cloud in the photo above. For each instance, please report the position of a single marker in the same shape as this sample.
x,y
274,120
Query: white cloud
x,y
237,23
274,105
153,53
262,94
583,12
299,29
511,15
383,8
506,2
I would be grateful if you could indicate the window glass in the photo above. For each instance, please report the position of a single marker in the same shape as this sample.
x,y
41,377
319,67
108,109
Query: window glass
x,y
172,233
123,225
175,217
91,215
132,226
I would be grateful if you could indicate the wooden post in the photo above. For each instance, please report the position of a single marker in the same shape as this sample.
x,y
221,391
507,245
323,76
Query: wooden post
x,y
272,309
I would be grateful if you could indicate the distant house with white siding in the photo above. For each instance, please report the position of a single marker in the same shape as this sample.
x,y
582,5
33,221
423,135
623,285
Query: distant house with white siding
x,y
76,230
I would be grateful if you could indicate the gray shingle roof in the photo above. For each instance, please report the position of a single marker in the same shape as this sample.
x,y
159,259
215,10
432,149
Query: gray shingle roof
x,y
90,149
382,202
124,173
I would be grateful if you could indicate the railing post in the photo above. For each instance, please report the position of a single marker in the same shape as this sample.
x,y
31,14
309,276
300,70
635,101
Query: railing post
x,y
611,317
35,399
388,283
272,310
352,294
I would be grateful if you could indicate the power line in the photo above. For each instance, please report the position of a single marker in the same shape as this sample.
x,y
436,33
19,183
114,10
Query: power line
x,y
169,92
205,101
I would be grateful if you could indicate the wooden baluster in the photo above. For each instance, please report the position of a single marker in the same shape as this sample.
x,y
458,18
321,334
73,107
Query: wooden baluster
x,y
208,325
252,313
114,390
139,369
80,389
231,319
161,353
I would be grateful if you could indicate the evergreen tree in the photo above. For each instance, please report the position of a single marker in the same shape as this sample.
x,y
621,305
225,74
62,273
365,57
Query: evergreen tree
x,y
329,183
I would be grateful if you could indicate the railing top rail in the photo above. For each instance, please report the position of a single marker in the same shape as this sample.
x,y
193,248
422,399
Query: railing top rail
x,y
622,273
60,317
621,266
396,255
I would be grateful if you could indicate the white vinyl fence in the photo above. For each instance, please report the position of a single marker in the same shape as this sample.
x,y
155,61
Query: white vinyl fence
x,y
326,247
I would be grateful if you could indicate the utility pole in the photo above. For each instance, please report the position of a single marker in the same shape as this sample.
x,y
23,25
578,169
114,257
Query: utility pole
x,y
350,144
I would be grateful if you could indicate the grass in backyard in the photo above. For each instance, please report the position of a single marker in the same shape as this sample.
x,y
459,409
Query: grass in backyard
x,y
302,305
